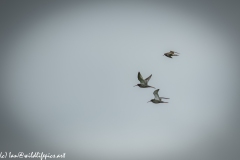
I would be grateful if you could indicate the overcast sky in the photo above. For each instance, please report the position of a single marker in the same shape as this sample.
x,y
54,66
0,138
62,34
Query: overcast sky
x,y
68,71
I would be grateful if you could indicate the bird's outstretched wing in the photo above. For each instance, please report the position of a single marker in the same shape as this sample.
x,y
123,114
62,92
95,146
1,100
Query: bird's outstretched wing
x,y
147,79
171,52
140,78
155,93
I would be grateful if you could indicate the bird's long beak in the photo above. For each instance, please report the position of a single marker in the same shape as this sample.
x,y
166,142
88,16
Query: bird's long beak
x,y
135,86
152,87
148,101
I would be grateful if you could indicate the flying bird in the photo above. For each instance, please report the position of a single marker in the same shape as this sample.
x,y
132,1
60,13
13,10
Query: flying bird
x,y
170,54
143,82
157,99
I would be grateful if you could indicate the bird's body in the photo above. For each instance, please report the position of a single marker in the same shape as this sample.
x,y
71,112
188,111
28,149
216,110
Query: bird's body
x,y
143,82
170,54
143,86
157,99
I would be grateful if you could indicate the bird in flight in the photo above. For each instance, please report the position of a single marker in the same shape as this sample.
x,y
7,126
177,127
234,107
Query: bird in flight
x,y
170,54
143,82
157,99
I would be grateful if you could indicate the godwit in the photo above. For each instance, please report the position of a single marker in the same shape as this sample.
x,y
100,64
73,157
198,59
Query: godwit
x,y
143,82
157,99
170,54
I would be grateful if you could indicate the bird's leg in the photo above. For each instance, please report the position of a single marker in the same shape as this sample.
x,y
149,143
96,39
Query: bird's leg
x,y
164,98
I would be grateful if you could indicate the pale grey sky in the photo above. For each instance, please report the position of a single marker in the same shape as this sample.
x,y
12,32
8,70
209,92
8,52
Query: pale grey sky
x,y
68,72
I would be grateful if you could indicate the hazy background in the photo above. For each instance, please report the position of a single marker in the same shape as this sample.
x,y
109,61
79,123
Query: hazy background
x,y
67,71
